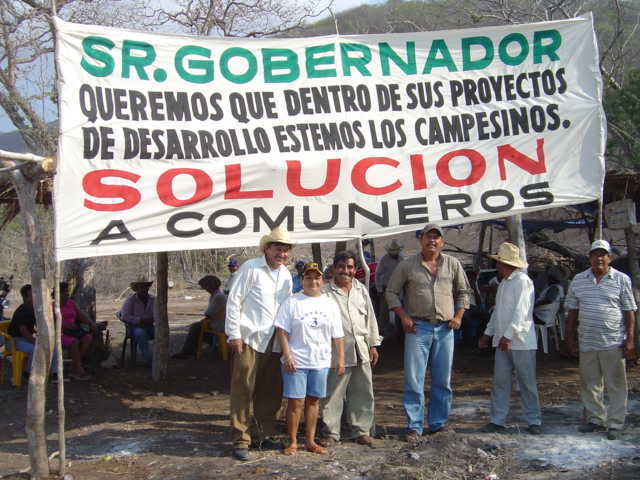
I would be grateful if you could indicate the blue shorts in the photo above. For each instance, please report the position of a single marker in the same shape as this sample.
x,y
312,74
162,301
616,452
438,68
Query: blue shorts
x,y
303,382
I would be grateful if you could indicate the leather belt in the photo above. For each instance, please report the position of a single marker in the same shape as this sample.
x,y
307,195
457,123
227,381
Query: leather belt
x,y
428,320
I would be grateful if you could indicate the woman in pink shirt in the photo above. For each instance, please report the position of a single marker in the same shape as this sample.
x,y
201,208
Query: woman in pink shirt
x,y
74,338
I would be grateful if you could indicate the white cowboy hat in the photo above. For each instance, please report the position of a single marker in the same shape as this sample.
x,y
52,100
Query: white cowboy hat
x,y
509,254
394,246
277,235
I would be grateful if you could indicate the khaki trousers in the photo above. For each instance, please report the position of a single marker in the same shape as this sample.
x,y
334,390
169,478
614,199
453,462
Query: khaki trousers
x,y
598,370
256,382
353,391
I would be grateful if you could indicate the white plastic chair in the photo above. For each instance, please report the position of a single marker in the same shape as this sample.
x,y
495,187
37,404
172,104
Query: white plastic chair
x,y
557,327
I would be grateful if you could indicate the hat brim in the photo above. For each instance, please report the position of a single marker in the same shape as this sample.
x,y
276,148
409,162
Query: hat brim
x,y
511,263
134,285
314,270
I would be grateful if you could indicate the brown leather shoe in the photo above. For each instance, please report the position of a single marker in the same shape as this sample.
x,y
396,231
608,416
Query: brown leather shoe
x,y
365,440
411,436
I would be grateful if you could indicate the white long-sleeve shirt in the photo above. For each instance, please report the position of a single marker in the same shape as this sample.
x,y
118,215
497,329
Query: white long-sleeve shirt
x,y
512,316
253,301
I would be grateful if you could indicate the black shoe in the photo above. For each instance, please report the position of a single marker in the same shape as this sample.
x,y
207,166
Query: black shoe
x,y
614,434
591,427
268,444
241,454
492,428
535,429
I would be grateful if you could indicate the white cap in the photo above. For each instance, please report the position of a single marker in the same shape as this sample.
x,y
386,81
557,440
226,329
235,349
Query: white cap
x,y
600,245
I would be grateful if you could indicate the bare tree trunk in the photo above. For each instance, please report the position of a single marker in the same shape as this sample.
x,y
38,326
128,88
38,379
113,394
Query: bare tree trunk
x,y
35,418
161,319
340,247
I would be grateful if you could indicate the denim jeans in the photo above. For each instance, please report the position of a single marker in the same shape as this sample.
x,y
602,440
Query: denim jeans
x,y
431,345
142,336
24,345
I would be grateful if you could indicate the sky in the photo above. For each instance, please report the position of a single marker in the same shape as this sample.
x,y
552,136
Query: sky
x,y
339,5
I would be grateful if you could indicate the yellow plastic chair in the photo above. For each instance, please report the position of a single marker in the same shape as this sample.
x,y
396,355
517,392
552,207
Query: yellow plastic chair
x,y
221,338
9,353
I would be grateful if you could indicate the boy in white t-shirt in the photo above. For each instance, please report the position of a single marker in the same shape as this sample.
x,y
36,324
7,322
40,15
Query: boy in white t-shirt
x,y
306,324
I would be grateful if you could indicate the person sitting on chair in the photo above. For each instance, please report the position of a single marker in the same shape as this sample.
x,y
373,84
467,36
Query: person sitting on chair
x,y
75,338
137,311
214,313
548,302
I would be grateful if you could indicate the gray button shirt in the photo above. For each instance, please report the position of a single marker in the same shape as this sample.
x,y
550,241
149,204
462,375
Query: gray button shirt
x,y
428,296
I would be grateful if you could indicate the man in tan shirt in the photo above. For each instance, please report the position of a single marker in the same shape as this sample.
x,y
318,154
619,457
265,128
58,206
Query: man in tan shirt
x,y
436,294
352,391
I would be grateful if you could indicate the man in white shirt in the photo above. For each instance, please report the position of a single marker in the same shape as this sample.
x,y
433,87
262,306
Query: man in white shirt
x,y
260,286
514,336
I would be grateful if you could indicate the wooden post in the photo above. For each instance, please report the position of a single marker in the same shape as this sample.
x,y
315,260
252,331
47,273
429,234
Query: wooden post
x,y
316,251
365,267
161,319
516,234
341,247
477,259
62,438
36,398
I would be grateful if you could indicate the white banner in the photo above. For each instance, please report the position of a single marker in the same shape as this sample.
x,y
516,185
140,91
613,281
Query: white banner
x,y
176,142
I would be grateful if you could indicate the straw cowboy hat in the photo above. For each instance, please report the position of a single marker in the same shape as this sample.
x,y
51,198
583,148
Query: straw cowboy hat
x,y
509,254
140,282
394,246
277,235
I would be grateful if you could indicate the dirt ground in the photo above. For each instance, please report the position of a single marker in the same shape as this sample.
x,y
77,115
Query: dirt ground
x,y
122,425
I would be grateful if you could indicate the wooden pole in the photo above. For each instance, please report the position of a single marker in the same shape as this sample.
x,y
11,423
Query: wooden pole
x,y
477,259
62,441
316,251
161,319
363,261
516,234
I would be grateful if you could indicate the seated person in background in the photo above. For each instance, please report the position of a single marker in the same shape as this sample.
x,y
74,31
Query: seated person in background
x,y
233,267
548,302
75,338
215,313
23,328
23,325
137,311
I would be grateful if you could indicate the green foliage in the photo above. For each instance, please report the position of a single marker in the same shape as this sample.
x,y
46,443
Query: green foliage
x,y
622,106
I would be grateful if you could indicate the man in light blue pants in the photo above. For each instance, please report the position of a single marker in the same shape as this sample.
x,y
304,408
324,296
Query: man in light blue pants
x,y
436,294
512,329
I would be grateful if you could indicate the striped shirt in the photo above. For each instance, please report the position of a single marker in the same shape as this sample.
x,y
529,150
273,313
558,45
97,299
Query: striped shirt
x,y
600,306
